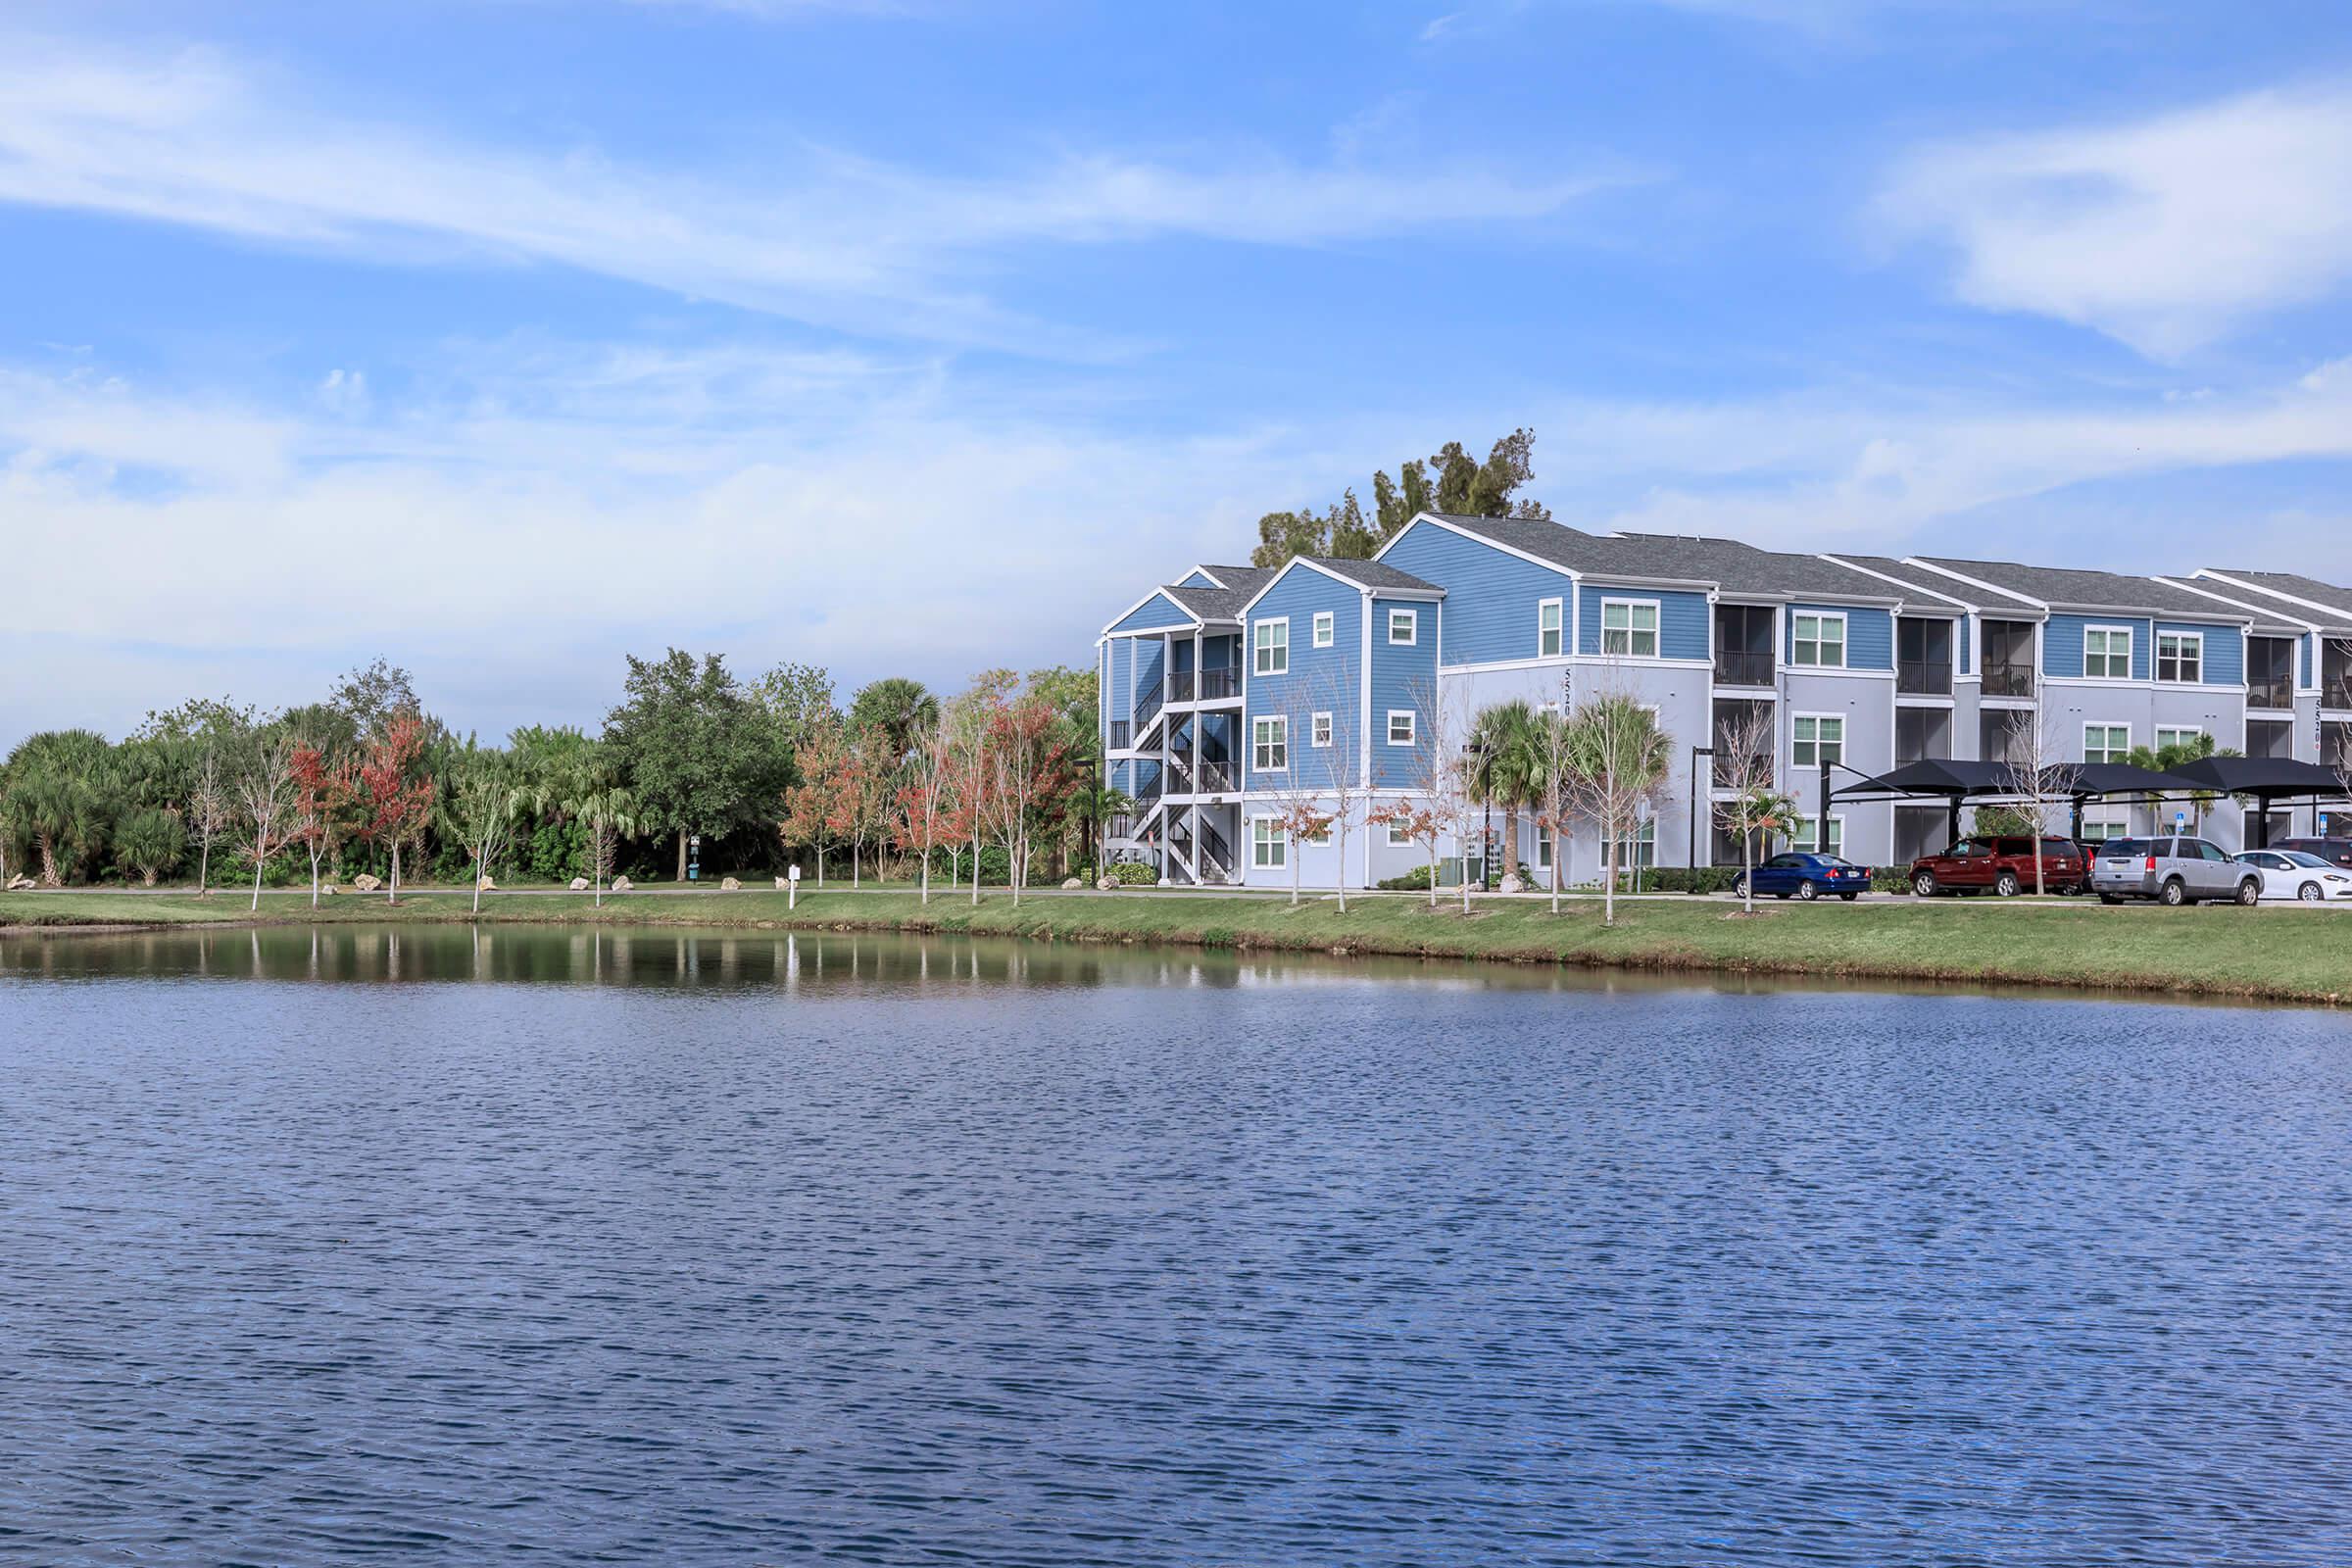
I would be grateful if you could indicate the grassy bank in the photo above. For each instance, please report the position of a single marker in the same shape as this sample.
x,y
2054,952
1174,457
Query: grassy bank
x,y
2287,955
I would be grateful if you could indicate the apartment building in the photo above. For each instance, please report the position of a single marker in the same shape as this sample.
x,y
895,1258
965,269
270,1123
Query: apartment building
x,y
1233,690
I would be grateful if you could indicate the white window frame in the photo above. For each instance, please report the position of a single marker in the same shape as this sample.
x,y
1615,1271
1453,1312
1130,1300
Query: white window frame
x,y
2105,751
1837,831
2183,639
1400,838
1412,726
2113,822
1412,626
1552,641
1631,632
1320,839
1646,834
1270,844
1798,639
2181,733
1325,630
1818,720
2107,654
1269,735
1318,731
1265,642
1544,842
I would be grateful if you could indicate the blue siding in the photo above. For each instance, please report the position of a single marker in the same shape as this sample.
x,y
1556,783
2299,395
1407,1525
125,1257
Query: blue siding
x,y
2224,650
1685,623
1402,677
2062,644
1117,687
1968,644
1158,612
1491,595
1196,578
1149,657
1318,678
1869,635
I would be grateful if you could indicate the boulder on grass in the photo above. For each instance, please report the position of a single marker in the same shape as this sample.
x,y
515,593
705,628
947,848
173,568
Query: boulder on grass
x,y
1108,884
366,883
327,892
782,883
579,884
21,883
1510,883
729,884
621,884
487,885
1072,885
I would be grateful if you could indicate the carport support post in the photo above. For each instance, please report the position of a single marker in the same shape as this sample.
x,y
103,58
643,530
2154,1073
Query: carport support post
x,y
2076,833
1821,828
1955,828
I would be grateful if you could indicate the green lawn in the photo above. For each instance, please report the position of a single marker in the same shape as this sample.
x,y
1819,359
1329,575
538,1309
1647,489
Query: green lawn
x,y
2223,951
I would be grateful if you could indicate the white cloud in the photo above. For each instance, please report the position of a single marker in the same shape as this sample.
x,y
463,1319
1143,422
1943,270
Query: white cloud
x,y
2166,233
816,235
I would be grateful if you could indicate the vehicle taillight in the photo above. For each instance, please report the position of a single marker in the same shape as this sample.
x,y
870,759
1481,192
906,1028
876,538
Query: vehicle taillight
x,y
2151,865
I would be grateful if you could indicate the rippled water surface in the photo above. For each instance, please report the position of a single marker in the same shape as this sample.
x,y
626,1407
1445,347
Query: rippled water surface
x,y
422,1246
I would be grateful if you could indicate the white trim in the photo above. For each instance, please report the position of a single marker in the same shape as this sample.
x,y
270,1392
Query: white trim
x,y
1412,726
1978,582
1429,594
1657,630
1460,533
1961,606
1845,631
2343,614
1836,821
2156,658
1363,677
1282,740
1284,621
2131,648
1590,662
1279,840
2190,730
1323,629
1558,605
1814,765
1412,625
1111,627
2090,724
2254,625
1319,725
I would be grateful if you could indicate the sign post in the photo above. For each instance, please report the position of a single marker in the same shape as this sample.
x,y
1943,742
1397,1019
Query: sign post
x,y
694,858
792,889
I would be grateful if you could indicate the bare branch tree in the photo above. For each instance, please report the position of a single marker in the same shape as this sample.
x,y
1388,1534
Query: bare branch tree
x,y
212,804
2034,771
1621,760
1742,768
265,795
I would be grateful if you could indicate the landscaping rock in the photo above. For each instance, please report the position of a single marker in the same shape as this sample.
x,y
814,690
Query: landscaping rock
x,y
487,885
22,884
327,892
1511,884
621,884
782,883
729,884
1110,884
579,884
366,883
1072,885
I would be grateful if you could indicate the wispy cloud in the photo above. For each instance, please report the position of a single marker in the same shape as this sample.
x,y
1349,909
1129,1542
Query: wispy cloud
x,y
831,238
2167,232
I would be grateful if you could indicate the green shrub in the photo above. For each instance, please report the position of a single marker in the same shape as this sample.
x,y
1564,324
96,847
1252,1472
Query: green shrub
x,y
1684,879
1133,875
1414,881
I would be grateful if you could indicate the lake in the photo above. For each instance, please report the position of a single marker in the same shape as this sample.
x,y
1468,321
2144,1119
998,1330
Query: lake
x,y
429,1246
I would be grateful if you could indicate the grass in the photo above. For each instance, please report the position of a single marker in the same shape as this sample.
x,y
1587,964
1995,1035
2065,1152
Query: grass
x,y
2282,955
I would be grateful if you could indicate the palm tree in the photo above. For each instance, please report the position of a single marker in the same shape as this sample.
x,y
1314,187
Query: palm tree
x,y
1509,767
587,790
61,797
1096,805
1619,760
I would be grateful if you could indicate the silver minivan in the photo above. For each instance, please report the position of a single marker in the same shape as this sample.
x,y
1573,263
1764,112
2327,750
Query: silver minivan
x,y
2170,870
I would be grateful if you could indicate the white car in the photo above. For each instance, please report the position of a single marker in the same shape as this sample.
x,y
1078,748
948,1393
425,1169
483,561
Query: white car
x,y
2293,875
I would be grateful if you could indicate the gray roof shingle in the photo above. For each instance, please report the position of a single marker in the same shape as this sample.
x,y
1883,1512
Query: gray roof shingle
x,y
1211,604
1728,563
2073,587
2291,585
1371,573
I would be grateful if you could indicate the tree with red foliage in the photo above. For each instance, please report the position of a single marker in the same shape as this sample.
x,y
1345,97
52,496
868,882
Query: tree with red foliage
x,y
324,791
393,800
925,807
1033,770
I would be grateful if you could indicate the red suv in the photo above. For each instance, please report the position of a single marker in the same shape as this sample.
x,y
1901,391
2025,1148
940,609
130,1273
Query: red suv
x,y
2002,865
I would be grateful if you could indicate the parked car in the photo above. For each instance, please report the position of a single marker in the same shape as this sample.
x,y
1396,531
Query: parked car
x,y
2294,874
2170,870
2003,865
1808,876
2335,852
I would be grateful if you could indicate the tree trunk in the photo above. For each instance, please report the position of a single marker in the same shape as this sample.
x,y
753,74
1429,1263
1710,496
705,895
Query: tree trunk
x,y
49,876
1609,884
478,883
204,870
856,847
392,888
1558,855
926,900
314,879
258,860
975,868
1433,875
1340,842
681,854
1748,865
1295,860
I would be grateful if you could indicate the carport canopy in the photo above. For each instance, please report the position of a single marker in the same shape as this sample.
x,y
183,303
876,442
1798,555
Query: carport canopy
x,y
2268,781
2079,782
1951,779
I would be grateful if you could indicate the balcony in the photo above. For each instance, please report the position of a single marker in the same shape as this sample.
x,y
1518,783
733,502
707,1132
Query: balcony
x,y
1743,669
2008,680
2278,694
1215,777
1122,734
1220,685
1180,686
1924,677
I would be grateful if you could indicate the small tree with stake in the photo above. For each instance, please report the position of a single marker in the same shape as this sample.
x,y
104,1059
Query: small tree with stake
x,y
266,794
395,799
211,804
1619,759
1753,804
2031,771
324,792
482,810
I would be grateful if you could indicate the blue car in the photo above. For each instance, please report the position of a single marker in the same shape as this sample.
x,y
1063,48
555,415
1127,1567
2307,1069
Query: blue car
x,y
1809,876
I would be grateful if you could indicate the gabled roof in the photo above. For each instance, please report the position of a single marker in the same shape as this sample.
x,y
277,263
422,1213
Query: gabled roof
x,y
1243,580
1369,575
1739,567
2303,597
2071,588
1902,574
2263,613
1209,604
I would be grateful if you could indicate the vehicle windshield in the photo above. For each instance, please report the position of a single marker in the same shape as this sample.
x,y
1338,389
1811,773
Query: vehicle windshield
x,y
2124,849
2057,846
2302,857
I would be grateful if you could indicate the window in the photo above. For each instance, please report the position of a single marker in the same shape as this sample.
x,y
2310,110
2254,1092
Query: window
x,y
1923,656
1543,848
1325,629
1640,850
1997,731
1801,832
1269,845
1320,838
1399,836
2270,672
2100,826
1630,627
1820,642
1320,730
1400,726
1272,647
2185,738
1818,739
2180,655
2270,737
2106,743
1921,733
1404,625
2107,653
1547,629
1270,745
1743,645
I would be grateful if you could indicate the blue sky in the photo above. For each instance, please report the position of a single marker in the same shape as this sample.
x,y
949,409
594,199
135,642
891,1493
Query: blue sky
x,y
913,337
